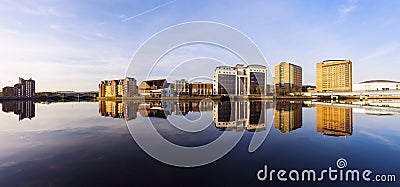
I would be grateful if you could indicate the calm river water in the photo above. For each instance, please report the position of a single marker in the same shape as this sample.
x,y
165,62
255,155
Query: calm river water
x,y
89,143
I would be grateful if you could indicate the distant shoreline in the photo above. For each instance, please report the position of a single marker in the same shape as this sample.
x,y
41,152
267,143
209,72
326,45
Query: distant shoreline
x,y
186,98
219,98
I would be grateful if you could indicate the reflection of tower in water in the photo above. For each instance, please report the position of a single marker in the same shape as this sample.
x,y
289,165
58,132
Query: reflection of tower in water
x,y
240,115
288,116
24,109
334,121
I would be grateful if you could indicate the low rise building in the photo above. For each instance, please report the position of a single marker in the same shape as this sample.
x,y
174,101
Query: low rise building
x,y
201,89
377,85
152,88
8,91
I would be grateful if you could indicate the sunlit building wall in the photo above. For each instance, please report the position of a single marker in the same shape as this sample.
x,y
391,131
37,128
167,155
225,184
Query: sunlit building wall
x,y
334,75
288,78
118,88
240,80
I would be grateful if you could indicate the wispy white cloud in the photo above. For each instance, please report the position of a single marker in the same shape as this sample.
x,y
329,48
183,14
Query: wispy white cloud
x,y
381,52
347,9
148,11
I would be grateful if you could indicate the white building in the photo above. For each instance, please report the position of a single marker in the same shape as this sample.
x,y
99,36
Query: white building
x,y
240,80
377,85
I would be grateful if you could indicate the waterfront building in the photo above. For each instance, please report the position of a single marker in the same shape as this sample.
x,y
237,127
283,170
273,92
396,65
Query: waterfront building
x,y
8,91
240,80
118,88
152,88
23,89
181,87
201,89
129,87
334,75
288,78
376,85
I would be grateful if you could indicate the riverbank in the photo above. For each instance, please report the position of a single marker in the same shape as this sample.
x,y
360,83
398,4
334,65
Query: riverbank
x,y
236,98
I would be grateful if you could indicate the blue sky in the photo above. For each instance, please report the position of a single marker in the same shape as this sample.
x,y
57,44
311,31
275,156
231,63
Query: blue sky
x,y
72,45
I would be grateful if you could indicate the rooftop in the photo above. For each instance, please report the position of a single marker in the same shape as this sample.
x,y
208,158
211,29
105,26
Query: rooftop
x,y
379,81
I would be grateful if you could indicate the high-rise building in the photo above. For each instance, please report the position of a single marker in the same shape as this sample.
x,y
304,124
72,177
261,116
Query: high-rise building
x,y
334,75
288,78
240,80
334,121
24,89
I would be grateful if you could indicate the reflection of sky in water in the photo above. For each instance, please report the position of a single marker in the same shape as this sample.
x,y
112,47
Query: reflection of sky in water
x,y
69,144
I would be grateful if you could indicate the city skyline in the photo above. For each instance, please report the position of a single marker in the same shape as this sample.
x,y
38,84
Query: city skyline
x,y
71,45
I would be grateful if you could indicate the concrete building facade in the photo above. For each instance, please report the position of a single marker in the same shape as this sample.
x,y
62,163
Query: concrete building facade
x,y
240,80
334,75
126,87
288,78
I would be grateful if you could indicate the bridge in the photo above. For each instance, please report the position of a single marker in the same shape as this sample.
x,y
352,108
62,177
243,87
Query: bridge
x,y
73,95
362,94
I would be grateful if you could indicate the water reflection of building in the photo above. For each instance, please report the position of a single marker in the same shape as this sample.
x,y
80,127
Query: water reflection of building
x,y
288,116
24,109
240,115
118,109
334,121
129,109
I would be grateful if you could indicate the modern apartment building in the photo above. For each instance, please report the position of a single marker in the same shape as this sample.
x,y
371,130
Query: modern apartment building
x,y
200,89
334,75
288,78
24,89
181,87
240,80
126,87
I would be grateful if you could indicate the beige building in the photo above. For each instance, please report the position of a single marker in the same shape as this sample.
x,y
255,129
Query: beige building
x,y
334,75
118,88
288,78
201,89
